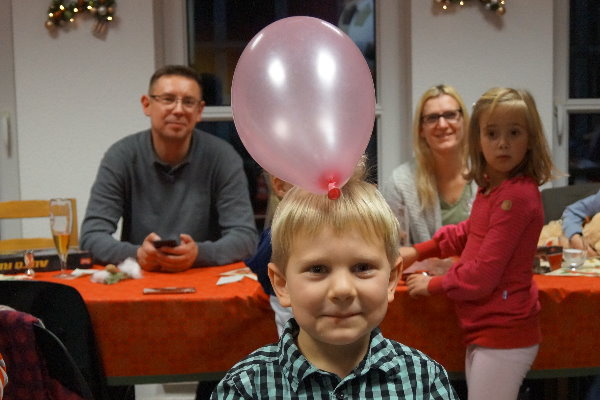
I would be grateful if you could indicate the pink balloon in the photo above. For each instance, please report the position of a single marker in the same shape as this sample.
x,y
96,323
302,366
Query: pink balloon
x,y
303,102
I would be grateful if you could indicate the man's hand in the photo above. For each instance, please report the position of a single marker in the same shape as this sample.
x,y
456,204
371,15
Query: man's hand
x,y
417,285
180,258
146,253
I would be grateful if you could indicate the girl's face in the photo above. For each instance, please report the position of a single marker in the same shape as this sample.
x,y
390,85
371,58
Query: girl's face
x,y
441,124
504,141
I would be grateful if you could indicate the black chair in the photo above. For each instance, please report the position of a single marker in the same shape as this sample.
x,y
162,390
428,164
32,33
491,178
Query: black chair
x,y
556,199
64,313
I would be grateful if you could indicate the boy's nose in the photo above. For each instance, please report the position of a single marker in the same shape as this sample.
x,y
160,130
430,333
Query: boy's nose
x,y
342,287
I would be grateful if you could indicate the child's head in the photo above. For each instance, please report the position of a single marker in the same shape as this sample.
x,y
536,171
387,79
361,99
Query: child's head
x,y
334,261
360,206
506,138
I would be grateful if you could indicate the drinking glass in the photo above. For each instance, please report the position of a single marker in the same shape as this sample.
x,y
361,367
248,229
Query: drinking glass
x,y
61,221
574,258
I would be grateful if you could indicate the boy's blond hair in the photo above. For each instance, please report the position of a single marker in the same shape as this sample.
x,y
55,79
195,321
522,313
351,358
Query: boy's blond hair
x,y
359,206
537,163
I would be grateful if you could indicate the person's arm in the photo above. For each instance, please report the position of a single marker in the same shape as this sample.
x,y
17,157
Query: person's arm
x,y
440,387
105,208
239,236
576,213
511,237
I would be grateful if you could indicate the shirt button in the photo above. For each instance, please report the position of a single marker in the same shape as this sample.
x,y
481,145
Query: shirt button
x,y
340,396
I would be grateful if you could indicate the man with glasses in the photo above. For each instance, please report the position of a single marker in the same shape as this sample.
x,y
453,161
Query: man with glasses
x,y
170,182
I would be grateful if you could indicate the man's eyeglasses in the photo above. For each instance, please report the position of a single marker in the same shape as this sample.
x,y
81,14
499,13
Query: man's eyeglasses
x,y
168,100
450,116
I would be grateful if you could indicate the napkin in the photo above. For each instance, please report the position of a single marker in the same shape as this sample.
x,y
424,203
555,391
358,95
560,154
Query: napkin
x,y
128,269
236,275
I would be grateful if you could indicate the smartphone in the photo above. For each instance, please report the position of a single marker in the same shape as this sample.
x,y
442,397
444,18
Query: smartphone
x,y
165,243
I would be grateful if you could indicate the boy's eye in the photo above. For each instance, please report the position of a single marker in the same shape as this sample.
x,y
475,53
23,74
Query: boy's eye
x,y
316,269
363,267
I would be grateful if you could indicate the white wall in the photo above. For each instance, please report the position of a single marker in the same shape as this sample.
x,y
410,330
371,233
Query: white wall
x,y
474,50
76,94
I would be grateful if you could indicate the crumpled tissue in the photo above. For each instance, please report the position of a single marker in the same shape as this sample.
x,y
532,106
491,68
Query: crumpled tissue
x,y
128,269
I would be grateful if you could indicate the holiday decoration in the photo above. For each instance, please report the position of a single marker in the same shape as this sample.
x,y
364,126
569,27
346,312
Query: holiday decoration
x,y
61,13
497,6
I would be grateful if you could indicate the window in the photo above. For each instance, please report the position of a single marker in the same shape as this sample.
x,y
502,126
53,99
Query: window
x,y
578,89
218,32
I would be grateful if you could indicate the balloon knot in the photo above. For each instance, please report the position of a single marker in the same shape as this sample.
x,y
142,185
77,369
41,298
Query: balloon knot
x,y
334,191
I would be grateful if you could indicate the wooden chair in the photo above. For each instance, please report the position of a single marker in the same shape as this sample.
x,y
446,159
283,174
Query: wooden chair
x,y
33,209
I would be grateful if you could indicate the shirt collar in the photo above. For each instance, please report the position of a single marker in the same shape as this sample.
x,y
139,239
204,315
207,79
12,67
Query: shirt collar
x,y
380,356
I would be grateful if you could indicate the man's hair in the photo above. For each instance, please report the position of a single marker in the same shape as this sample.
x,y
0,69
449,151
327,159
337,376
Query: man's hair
x,y
425,174
537,163
176,70
360,206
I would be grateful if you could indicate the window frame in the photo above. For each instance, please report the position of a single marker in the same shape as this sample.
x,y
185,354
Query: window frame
x,y
564,106
393,109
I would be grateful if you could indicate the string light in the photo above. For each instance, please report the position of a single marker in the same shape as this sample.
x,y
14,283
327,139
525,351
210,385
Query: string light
x,y
63,12
496,6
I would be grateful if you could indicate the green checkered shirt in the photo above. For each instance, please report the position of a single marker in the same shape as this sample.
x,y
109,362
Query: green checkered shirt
x,y
390,370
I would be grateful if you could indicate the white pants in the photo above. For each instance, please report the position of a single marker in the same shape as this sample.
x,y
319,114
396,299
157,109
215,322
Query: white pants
x,y
282,314
497,374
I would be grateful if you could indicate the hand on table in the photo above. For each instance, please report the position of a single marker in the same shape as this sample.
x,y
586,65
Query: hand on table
x,y
577,242
167,259
417,285
146,253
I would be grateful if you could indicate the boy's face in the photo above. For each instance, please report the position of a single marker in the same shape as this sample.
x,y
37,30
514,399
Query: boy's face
x,y
338,286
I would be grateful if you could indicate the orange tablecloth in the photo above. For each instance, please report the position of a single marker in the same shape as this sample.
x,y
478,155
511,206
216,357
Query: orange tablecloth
x,y
157,338
147,337
570,323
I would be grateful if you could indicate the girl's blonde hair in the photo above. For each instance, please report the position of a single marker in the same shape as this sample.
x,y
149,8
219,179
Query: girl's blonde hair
x,y
537,163
425,171
360,206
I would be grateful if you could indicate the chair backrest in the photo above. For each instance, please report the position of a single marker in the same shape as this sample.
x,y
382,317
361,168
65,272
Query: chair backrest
x,y
33,209
63,312
555,200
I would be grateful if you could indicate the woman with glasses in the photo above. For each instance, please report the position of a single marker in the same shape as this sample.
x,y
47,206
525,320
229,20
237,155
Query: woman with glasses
x,y
430,190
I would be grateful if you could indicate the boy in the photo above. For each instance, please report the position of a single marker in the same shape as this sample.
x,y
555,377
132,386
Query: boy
x,y
335,262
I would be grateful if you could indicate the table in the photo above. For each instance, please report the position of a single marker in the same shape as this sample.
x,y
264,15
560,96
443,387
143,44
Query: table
x,y
185,337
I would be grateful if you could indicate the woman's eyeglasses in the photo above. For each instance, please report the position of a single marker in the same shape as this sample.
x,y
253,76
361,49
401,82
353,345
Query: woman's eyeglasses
x,y
450,116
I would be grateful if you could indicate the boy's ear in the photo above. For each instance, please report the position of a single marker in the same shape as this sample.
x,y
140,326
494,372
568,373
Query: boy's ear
x,y
394,276
279,284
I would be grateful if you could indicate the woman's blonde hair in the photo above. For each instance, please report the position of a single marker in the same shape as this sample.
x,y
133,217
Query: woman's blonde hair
x,y
360,205
425,171
537,163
